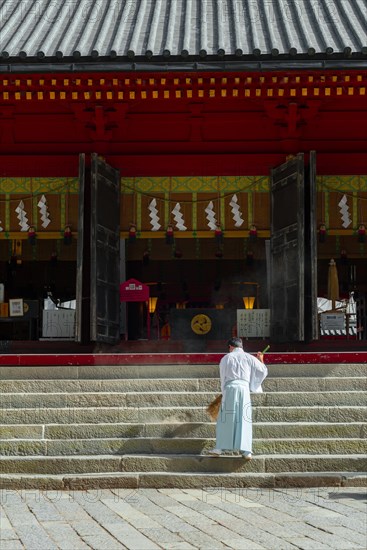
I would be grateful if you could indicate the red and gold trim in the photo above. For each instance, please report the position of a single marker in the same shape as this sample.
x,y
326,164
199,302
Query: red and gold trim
x,y
124,87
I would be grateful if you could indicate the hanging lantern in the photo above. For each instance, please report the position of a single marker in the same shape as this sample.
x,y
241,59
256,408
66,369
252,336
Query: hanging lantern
x,y
177,253
152,304
32,235
253,232
218,234
219,253
249,302
132,233
169,234
68,236
322,233
361,233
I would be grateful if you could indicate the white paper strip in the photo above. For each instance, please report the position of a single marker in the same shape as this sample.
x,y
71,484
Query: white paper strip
x,y
344,211
22,217
209,210
178,217
236,211
45,217
154,218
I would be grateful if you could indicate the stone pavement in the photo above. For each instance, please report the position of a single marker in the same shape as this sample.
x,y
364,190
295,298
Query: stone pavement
x,y
253,519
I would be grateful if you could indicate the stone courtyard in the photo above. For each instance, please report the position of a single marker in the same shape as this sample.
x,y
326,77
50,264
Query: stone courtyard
x,y
207,518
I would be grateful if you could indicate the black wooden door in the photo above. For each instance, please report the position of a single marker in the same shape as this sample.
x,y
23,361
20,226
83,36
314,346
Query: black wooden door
x,y
105,252
287,256
311,316
82,314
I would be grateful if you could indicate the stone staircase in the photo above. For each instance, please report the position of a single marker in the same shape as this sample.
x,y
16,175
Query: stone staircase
x,y
84,427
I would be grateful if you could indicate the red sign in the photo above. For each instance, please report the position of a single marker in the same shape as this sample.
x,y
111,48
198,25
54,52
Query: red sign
x,y
133,291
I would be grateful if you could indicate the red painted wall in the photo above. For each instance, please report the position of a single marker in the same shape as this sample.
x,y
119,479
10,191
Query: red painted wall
x,y
226,136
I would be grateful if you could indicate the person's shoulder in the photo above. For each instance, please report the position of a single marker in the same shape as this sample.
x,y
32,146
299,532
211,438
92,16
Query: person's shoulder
x,y
249,356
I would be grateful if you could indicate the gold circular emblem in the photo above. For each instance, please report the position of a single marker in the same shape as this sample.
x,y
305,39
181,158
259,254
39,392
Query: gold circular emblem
x,y
25,307
201,324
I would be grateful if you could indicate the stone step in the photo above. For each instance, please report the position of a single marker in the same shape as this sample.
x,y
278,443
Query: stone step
x,y
80,415
260,463
146,426
69,372
306,384
208,483
113,386
60,465
269,430
183,446
175,399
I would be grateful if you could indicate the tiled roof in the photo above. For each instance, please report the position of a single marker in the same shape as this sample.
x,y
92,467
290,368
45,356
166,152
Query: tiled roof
x,y
181,29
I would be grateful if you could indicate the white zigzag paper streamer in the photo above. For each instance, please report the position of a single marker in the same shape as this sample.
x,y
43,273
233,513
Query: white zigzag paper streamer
x,y
212,222
154,218
22,217
1,227
45,217
344,210
178,217
236,211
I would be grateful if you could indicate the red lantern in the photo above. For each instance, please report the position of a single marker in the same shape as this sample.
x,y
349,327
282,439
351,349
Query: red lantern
x,y
322,233
362,233
218,234
67,235
32,235
169,234
132,233
253,232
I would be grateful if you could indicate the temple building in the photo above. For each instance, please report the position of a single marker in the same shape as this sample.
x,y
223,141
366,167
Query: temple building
x,y
209,154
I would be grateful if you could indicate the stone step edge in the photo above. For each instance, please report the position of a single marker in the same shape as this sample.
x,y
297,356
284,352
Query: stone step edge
x,y
155,456
173,424
176,379
183,392
177,439
209,483
170,371
182,407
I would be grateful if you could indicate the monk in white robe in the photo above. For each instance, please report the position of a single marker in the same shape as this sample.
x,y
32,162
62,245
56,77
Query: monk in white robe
x,y
240,374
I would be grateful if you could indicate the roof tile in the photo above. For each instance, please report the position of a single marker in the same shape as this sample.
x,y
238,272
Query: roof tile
x,y
164,28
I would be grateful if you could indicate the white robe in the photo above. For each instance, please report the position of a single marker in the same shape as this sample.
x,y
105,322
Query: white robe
x,y
240,374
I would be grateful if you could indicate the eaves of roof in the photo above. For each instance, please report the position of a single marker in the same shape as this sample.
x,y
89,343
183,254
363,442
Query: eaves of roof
x,y
228,64
181,35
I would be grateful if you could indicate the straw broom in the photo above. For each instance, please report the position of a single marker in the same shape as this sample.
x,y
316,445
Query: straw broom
x,y
214,407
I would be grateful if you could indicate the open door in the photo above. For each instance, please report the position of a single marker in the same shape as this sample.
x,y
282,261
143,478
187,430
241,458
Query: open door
x,y
98,254
293,251
105,252
82,314
311,316
287,251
